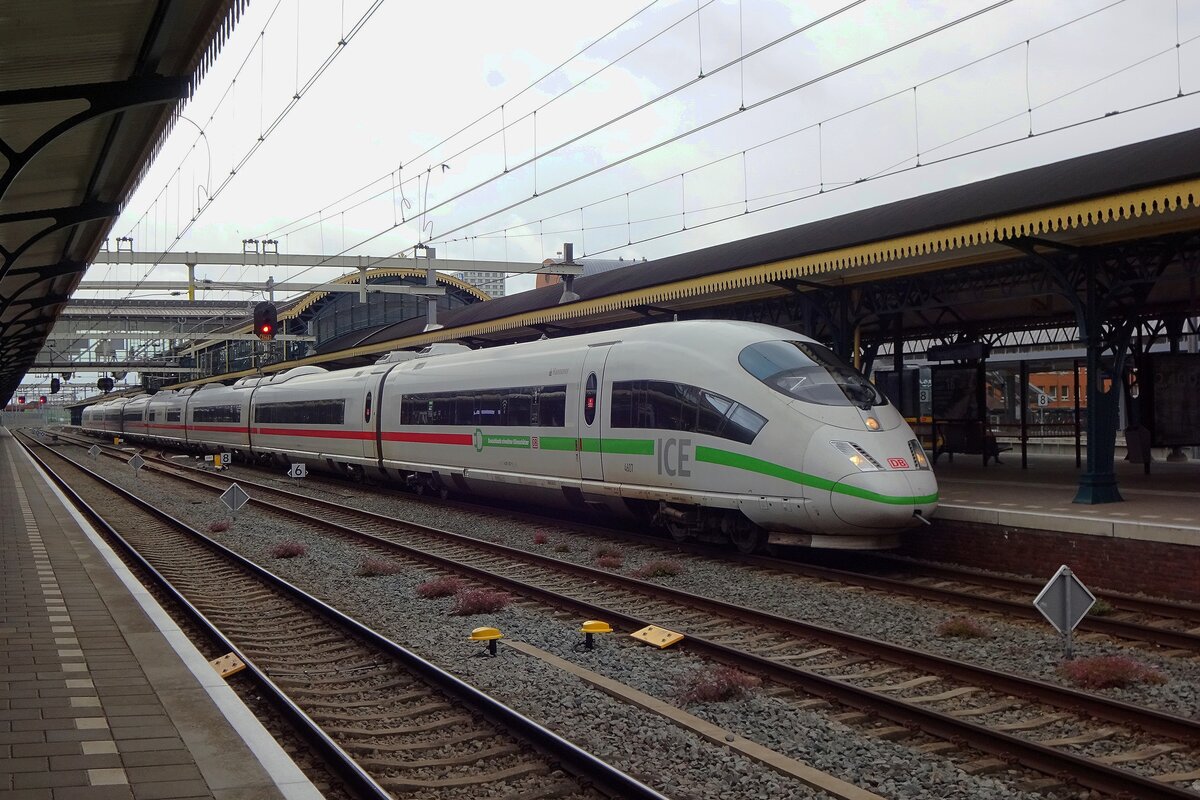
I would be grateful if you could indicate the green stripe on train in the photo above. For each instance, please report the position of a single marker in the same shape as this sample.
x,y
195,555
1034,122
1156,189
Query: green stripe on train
x,y
629,447
725,458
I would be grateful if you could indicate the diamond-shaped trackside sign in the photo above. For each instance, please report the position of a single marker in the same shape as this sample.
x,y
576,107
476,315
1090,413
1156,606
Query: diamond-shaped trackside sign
x,y
1064,601
234,497
94,452
137,462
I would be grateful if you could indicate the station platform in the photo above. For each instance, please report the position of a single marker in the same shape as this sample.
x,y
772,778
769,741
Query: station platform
x,y
1025,521
101,695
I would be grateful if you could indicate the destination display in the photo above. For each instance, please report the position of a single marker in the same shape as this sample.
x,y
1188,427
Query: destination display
x,y
1175,399
890,386
956,393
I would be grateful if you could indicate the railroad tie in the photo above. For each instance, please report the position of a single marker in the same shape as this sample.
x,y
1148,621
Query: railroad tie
x,y
899,687
1141,755
1030,724
1082,738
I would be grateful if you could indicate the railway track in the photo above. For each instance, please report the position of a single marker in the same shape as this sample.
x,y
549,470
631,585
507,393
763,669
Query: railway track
x,y
1106,745
1173,627
389,722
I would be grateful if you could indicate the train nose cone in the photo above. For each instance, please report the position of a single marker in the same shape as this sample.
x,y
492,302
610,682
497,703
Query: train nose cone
x,y
885,499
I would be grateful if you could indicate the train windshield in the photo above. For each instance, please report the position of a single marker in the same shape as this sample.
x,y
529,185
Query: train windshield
x,y
809,372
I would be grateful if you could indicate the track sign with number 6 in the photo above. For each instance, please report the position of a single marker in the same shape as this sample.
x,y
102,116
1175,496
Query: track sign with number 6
x,y
298,471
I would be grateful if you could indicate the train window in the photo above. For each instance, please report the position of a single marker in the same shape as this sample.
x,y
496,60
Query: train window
x,y
621,405
133,416
302,412
552,407
173,415
590,400
489,408
743,425
217,414
367,409
662,405
464,409
809,372
713,409
520,406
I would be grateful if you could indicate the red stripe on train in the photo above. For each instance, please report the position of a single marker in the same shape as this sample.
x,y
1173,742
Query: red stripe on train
x,y
428,438
321,434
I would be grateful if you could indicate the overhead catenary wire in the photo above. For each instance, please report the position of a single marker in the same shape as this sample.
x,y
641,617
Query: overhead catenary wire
x,y
834,117
212,193
683,134
666,95
891,170
286,228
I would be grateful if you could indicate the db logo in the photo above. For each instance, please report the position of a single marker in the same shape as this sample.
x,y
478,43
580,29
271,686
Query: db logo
x,y
898,463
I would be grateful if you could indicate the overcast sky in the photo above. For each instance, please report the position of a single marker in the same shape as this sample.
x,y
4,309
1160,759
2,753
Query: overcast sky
x,y
430,107
384,113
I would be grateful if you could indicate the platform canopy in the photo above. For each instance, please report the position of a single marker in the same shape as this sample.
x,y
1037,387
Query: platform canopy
x,y
88,91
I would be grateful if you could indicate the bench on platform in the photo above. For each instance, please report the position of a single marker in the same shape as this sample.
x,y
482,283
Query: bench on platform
x,y
966,437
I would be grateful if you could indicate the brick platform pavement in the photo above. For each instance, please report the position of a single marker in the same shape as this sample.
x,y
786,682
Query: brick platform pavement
x,y
95,701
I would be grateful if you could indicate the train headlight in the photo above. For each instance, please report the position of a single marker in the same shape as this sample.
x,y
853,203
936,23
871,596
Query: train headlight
x,y
918,454
857,456
871,423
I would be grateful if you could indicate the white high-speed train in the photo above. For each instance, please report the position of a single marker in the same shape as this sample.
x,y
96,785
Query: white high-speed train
x,y
717,430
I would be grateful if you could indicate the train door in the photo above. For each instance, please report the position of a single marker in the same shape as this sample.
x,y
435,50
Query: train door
x,y
592,413
369,441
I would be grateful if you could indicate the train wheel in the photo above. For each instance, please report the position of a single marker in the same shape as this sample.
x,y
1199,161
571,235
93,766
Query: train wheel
x,y
748,539
679,531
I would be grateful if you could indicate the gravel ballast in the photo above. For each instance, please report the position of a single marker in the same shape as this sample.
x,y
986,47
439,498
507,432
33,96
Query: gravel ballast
x,y
675,762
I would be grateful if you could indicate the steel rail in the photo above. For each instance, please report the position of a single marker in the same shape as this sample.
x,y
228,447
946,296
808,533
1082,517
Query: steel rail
x,y
1149,719
602,775
335,756
1122,629
1087,772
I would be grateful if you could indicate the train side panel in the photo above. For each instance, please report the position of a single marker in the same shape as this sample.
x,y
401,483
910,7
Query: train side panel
x,y
316,417
217,418
488,421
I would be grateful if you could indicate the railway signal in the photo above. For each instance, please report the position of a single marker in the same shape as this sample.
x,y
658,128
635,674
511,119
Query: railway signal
x,y
266,320
1064,601
55,385
234,498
